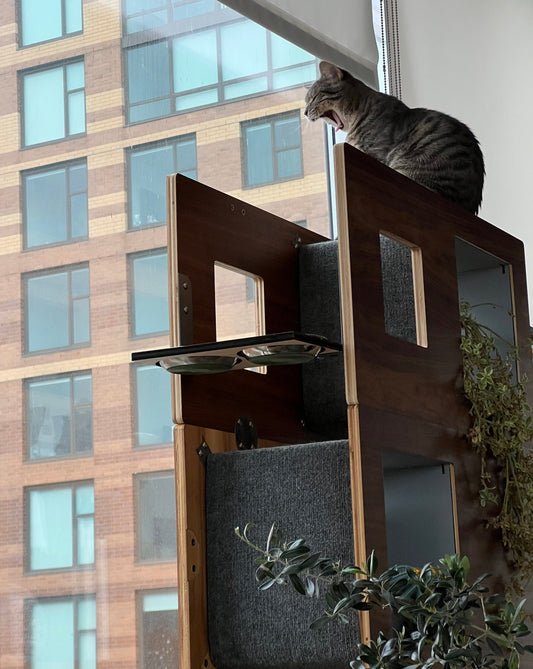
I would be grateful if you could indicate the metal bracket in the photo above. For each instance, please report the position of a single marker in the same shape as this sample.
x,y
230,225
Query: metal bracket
x,y
203,451
245,433
185,310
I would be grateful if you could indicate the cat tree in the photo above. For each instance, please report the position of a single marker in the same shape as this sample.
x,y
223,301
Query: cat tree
x,y
378,430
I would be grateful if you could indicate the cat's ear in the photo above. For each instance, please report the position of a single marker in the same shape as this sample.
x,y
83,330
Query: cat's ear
x,y
330,71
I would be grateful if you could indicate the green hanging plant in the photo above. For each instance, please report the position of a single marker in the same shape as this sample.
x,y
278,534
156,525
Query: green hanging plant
x,y
500,427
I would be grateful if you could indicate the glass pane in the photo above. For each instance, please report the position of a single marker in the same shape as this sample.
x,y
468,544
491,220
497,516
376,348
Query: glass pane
x,y
83,428
87,650
195,60
259,154
80,282
160,631
187,10
149,21
73,16
289,163
201,99
82,389
148,72
150,294
49,413
75,75
160,601
50,528
85,540
149,110
85,499
44,123
40,20
186,155
76,112
48,312
78,215
247,87
149,169
285,54
80,321
86,614
287,133
52,635
77,178
134,6
154,409
46,208
243,50
157,518
297,75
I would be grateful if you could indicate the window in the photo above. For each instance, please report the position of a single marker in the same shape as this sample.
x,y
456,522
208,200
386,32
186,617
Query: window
x,y
60,526
57,309
155,517
153,408
55,204
157,613
272,149
61,632
59,416
43,20
149,293
149,166
150,14
206,67
53,101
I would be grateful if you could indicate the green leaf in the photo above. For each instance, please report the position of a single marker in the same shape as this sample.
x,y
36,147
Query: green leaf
x,y
297,584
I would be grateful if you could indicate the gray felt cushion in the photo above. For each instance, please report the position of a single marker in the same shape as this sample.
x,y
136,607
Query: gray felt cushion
x,y
305,489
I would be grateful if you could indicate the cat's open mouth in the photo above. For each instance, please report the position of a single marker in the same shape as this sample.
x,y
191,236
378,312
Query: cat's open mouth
x,y
334,118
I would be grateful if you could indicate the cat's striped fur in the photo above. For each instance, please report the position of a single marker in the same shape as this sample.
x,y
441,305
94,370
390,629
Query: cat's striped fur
x,y
433,149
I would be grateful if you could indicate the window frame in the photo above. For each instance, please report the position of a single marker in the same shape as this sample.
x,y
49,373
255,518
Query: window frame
x,y
27,421
76,599
76,567
25,276
192,22
131,257
173,96
139,610
66,165
64,33
137,478
173,142
271,119
134,385
60,64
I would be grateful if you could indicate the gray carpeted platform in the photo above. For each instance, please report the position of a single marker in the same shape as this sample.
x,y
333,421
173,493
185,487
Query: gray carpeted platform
x,y
306,490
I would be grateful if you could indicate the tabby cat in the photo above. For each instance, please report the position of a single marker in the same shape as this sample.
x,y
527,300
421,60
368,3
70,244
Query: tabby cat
x,y
433,149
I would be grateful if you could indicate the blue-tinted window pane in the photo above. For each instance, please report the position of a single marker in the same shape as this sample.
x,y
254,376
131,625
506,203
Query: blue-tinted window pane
x,y
150,21
246,87
195,60
134,6
295,76
51,528
150,110
85,499
76,112
150,294
149,169
82,389
46,208
75,75
87,614
188,10
49,414
154,411
243,49
80,282
148,72
44,122
87,650
73,16
48,312
186,156
78,215
52,635
285,54
160,601
289,163
85,545
209,97
78,178
40,20
157,518
287,133
259,154
80,320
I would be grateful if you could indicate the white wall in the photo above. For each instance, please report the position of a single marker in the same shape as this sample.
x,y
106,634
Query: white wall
x,y
474,60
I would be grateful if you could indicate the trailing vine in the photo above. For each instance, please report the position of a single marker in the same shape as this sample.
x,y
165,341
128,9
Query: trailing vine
x,y
500,427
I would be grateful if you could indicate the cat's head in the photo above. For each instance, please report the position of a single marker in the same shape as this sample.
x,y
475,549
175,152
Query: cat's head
x,y
326,98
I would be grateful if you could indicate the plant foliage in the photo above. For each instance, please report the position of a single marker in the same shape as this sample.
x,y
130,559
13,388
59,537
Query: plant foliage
x,y
500,426
444,621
